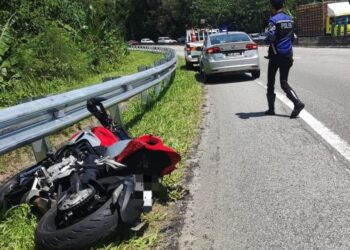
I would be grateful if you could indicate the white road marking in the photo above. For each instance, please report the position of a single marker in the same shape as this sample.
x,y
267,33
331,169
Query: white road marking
x,y
329,136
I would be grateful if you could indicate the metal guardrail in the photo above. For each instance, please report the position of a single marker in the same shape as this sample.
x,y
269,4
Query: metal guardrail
x,y
32,122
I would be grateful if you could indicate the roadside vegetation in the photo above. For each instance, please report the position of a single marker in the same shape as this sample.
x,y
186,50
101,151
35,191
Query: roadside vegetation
x,y
48,45
174,116
172,17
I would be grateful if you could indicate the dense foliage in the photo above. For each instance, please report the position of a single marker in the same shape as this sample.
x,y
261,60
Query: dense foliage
x,y
51,40
152,18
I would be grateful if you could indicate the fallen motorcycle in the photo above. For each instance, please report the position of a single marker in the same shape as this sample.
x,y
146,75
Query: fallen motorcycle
x,y
101,178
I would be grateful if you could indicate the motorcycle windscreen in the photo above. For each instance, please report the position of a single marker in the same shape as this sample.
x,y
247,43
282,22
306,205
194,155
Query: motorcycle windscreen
x,y
148,155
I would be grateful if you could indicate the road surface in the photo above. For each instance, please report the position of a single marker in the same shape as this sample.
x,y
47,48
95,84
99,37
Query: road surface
x,y
266,182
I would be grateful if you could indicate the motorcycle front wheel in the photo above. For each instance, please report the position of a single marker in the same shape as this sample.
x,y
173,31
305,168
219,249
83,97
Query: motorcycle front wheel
x,y
93,229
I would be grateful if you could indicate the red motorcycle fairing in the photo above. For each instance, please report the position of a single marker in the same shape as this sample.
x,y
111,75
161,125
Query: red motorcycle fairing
x,y
106,137
102,136
161,158
158,155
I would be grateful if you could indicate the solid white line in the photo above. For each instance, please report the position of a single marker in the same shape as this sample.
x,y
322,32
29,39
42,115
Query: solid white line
x,y
329,136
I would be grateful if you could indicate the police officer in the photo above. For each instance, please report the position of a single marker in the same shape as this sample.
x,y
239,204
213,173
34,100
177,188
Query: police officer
x,y
280,37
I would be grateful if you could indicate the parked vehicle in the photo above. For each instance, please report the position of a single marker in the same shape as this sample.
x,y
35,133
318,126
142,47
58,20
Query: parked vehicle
x,y
318,19
193,51
258,37
194,44
229,52
133,42
146,40
165,39
181,39
100,179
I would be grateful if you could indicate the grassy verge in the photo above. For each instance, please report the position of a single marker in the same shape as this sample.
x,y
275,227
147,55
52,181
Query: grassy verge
x,y
37,88
174,117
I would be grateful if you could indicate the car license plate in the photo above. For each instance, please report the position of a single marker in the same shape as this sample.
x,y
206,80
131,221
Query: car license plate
x,y
234,54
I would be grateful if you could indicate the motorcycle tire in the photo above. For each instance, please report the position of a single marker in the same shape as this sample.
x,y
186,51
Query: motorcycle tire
x,y
93,229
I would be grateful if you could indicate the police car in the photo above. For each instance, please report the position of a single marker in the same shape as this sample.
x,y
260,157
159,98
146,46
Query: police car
x,y
227,53
194,44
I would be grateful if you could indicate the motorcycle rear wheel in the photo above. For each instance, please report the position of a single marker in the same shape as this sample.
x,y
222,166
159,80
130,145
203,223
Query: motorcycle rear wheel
x,y
93,229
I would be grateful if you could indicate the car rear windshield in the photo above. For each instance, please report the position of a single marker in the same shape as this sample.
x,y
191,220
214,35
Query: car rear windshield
x,y
229,38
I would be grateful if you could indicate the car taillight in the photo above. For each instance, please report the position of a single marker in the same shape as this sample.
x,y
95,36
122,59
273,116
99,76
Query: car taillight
x,y
190,48
250,46
213,50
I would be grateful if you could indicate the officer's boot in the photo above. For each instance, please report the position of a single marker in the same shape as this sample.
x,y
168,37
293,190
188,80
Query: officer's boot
x,y
271,102
298,105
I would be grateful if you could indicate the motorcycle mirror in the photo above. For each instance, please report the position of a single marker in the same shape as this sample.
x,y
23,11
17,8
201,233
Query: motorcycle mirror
x,y
95,107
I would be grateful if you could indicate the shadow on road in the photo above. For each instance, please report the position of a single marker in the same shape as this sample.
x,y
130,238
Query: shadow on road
x,y
235,78
256,114
225,79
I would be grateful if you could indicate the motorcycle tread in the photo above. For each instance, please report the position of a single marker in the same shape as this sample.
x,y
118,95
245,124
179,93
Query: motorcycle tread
x,y
93,229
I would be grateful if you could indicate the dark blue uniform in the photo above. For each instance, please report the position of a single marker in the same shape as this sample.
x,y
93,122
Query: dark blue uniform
x,y
280,37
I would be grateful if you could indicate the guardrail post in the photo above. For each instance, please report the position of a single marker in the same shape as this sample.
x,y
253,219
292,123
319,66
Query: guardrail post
x,y
115,113
158,87
167,80
144,94
145,98
41,148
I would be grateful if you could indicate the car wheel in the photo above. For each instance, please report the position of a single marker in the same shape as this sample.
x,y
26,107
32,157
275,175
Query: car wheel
x,y
205,77
188,65
255,74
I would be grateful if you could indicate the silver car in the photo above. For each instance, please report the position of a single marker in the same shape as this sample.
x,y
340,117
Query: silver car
x,y
229,52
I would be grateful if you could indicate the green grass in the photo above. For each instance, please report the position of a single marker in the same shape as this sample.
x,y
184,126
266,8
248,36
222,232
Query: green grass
x,y
35,88
174,117
17,227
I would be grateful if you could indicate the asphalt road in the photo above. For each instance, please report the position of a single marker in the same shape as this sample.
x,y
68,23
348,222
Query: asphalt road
x,y
267,182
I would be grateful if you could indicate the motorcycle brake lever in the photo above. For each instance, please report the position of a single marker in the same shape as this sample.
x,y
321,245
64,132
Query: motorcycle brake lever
x,y
110,162
100,161
114,164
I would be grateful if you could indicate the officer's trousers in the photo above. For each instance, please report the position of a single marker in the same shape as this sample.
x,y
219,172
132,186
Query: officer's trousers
x,y
283,63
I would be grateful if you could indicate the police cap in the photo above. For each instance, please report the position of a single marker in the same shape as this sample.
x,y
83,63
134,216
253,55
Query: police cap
x,y
277,4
